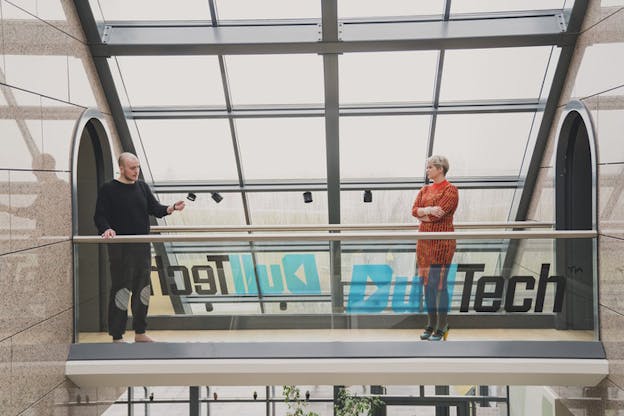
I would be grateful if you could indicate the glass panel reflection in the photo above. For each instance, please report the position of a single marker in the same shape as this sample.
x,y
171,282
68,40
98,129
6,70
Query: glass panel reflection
x,y
267,9
473,207
275,79
387,77
204,210
287,208
96,10
470,140
383,147
386,207
371,8
171,80
154,10
477,6
502,73
191,150
282,148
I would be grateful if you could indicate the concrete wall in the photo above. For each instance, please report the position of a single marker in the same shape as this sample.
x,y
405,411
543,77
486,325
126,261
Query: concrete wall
x,y
47,79
596,77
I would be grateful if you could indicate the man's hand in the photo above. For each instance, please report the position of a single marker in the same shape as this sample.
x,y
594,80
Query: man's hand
x,y
110,233
177,206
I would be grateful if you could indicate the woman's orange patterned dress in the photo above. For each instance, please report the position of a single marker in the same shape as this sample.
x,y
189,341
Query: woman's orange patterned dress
x,y
436,252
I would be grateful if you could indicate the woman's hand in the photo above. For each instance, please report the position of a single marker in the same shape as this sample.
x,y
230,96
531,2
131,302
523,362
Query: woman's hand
x,y
435,211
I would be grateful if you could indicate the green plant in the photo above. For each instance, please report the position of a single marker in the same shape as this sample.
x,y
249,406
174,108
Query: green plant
x,y
296,405
347,404
353,405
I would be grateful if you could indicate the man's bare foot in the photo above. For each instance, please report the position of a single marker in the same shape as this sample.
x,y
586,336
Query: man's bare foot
x,y
142,338
119,341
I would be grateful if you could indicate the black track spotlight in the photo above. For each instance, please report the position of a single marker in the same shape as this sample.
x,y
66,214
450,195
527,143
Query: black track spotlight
x,y
368,196
191,196
283,306
217,197
307,197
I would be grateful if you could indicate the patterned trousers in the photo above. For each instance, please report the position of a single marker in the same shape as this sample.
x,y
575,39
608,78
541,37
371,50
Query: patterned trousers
x,y
130,268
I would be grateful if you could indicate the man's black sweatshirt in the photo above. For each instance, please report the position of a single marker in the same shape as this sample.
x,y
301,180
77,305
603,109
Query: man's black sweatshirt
x,y
126,208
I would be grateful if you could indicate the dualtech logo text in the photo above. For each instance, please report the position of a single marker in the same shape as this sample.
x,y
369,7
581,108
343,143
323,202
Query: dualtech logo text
x,y
373,288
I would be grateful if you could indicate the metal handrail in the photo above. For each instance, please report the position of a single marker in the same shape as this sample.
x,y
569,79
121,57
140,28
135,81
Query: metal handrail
x,y
340,227
345,236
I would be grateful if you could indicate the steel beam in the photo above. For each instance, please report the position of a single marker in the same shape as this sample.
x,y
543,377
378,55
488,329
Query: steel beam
x,y
345,110
559,79
92,34
489,182
529,180
197,38
330,33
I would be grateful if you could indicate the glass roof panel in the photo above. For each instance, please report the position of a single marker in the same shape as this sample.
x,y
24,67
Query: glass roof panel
x,y
383,147
205,211
97,11
190,150
278,208
386,207
375,8
504,73
275,79
172,80
267,9
122,91
471,207
483,144
282,148
154,10
479,6
387,77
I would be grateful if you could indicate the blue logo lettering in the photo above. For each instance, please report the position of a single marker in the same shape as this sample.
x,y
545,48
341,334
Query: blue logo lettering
x,y
399,304
301,274
381,276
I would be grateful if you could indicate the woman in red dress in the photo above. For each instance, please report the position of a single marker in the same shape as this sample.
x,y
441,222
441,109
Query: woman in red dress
x,y
434,207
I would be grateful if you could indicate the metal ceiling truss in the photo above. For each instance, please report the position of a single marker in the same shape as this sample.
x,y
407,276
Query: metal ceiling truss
x,y
332,37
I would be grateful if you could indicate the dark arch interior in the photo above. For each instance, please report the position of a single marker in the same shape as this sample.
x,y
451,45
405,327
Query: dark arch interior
x,y
92,170
574,211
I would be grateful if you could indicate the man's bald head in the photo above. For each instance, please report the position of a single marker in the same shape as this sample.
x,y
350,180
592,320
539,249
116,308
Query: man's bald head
x,y
126,157
129,167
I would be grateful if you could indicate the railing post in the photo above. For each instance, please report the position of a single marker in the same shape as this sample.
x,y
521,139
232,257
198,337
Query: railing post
x,y
442,410
193,401
130,400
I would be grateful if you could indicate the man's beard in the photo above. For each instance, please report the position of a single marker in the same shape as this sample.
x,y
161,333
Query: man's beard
x,y
129,179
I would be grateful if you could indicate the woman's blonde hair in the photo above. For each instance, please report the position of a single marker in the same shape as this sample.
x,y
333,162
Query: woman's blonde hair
x,y
439,162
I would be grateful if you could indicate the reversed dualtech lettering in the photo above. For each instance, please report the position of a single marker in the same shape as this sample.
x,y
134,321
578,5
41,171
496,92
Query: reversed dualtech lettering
x,y
373,288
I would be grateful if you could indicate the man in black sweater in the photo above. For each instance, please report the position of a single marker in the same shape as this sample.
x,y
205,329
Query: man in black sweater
x,y
123,208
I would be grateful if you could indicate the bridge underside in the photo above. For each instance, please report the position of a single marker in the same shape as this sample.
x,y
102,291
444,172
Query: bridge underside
x,y
338,363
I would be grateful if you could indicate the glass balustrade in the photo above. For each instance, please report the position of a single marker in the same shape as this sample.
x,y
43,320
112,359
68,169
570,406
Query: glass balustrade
x,y
503,283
